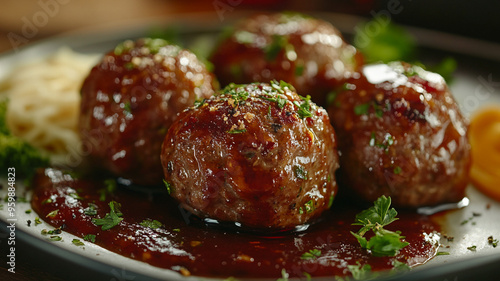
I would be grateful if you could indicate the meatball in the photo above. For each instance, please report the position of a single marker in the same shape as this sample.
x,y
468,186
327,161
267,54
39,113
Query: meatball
x,y
308,53
259,155
130,99
401,134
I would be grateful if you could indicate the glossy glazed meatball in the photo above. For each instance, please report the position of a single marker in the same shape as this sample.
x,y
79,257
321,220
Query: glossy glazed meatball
x,y
308,53
401,134
130,99
257,154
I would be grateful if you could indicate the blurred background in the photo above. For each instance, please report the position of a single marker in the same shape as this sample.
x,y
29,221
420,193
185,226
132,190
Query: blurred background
x,y
27,21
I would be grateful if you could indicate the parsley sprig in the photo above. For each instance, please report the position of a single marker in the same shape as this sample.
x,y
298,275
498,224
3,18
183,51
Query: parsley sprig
x,y
384,242
111,219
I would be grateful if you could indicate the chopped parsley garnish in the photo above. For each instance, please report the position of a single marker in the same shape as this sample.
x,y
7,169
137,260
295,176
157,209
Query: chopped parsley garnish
x,y
304,110
76,196
237,92
198,103
330,202
28,211
309,206
91,210
397,170
493,242
384,242
110,187
89,237
245,37
37,221
77,242
361,272
55,238
153,224
111,219
54,231
299,70
127,107
300,172
52,214
284,275
330,98
311,254
390,43
472,248
400,266
364,108
271,50
236,131
169,186
361,109
442,254
385,144
46,201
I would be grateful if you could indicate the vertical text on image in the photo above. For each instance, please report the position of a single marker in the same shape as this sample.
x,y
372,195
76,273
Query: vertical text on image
x,y
11,220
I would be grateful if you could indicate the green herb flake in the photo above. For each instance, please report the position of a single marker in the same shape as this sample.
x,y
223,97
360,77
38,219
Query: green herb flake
x,y
361,109
442,254
47,201
91,210
129,66
169,186
153,224
89,237
299,70
307,275
330,202
52,214
76,196
127,107
309,206
472,248
493,242
311,254
278,43
37,221
300,172
28,211
304,110
77,242
284,275
55,238
109,188
400,266
236,131
397,170
111,219
199,103
384,242
361,272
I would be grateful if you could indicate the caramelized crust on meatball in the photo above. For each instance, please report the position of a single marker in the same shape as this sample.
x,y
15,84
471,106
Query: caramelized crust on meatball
x,y
129,101
258,154
401,134
308,53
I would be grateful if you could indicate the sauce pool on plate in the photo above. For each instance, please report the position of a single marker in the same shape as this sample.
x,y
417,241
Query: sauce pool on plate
x,y
148,226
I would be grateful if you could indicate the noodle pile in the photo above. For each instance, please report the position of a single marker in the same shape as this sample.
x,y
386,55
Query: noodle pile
x,y
44,103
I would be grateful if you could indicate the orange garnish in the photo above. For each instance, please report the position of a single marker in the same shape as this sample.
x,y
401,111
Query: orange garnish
x,y
484,137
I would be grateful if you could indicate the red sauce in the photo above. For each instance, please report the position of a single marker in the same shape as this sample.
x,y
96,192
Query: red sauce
x,y
185,244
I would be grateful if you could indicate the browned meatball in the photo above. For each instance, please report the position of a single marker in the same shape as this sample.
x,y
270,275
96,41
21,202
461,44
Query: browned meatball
x,y
129,101
256,154
308,53
402,135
